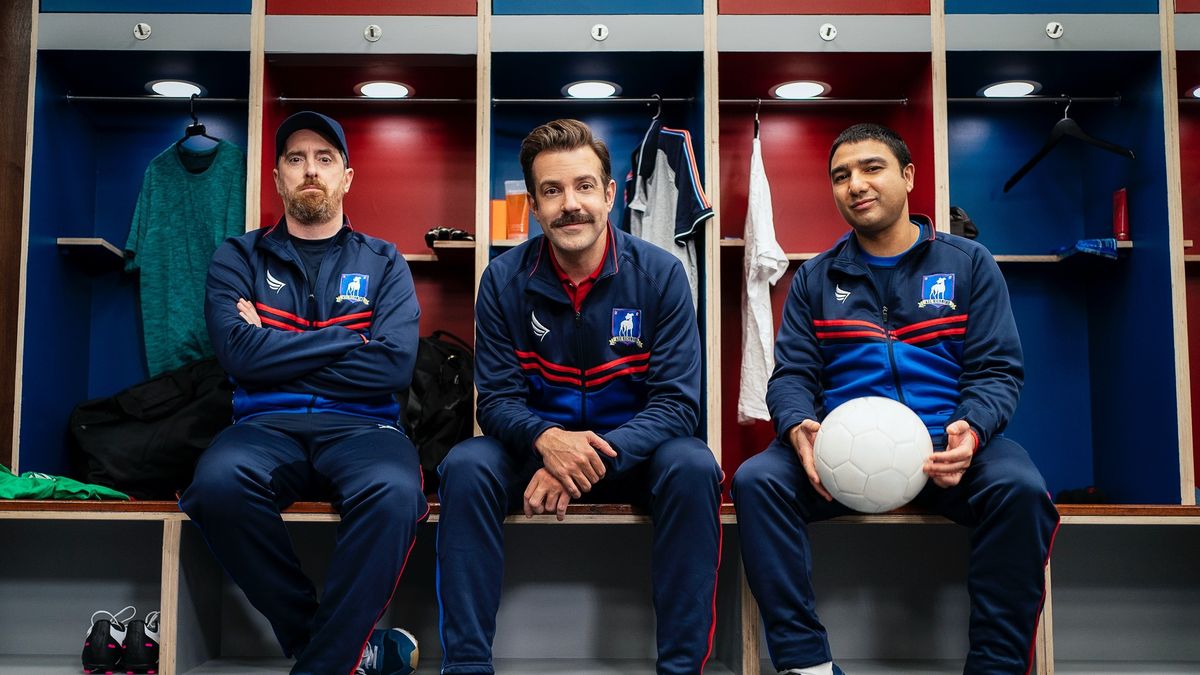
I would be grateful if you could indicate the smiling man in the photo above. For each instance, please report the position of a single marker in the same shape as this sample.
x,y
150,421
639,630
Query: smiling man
x,y
898,310
317,326
587,362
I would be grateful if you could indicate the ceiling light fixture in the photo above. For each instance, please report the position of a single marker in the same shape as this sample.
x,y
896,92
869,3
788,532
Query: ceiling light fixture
x,y
383,89
800,89
1010,89
174,88
591,89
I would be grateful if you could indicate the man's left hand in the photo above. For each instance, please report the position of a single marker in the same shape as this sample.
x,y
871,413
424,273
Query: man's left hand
x,y
246,310
946,468
546,495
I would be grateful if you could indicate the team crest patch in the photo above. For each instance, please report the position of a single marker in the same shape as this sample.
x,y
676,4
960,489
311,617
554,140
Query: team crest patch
x,y
626,327
937,290
353,288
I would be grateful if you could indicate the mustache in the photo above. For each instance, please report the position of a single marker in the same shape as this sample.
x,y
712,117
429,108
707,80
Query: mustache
x,y
314,184
572,219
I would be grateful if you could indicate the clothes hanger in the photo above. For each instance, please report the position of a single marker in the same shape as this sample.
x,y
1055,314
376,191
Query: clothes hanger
x,y
1066,127
658,111
757,107
196,128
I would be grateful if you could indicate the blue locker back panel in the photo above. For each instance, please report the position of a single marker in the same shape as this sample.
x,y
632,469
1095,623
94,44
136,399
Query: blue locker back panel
x,y
1051,6
1093,410
1053,420
598,7
149,6
83,332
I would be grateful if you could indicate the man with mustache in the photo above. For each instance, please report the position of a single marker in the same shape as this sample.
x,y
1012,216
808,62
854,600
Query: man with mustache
x,y
316,324
587,363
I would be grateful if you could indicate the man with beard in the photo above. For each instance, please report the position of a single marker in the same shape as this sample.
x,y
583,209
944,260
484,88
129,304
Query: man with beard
x,y
316,324
587,362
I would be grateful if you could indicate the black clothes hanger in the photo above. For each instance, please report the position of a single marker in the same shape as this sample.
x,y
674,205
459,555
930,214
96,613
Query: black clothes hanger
x,y
196,128
757,107
1062,129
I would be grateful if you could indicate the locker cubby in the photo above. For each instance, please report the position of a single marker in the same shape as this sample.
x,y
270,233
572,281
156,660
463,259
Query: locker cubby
x,y
93,137
55,573
1140,578
551,619
413,159
1094,331
521,103
796,137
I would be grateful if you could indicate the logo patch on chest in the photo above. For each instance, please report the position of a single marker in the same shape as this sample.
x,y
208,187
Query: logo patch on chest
x,y
937,290
626,327
353,288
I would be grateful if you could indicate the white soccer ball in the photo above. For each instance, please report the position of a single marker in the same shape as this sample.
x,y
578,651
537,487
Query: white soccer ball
x,y
869,453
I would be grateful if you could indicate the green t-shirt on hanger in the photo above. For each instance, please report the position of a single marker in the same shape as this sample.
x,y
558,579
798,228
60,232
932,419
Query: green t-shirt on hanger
x,y
191,200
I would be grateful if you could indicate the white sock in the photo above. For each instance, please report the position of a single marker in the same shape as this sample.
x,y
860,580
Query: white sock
x,y
822,669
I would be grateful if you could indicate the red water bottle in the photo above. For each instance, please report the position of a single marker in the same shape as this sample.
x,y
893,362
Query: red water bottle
x,y
1120,216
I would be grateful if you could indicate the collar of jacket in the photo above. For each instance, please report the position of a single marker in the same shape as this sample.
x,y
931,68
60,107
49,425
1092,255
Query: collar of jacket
x,y
846,260
543,280
278,241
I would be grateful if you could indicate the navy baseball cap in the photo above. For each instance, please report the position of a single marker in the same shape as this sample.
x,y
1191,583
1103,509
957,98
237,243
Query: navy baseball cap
x,y
314,121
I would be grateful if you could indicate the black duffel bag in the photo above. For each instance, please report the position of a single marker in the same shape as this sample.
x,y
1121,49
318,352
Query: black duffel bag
x,y
440,399
145,440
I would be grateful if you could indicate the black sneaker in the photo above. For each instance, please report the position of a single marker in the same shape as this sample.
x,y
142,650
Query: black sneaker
x,y
103,647
141,646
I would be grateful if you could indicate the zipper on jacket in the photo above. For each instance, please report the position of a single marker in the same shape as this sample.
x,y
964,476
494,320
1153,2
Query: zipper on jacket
x,y
582,384
887,335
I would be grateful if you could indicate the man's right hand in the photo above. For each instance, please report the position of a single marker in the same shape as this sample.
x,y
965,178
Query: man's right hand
x,y
803,436
573,457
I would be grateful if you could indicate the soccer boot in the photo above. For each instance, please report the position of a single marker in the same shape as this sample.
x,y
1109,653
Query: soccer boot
x,y
141,646
103,645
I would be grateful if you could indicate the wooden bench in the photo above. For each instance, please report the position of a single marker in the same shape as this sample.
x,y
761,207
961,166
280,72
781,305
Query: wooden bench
x,y
577,514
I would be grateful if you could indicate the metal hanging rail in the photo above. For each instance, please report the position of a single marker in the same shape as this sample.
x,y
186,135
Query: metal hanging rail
x,y
1114,100
780,102
71,98
364,99
614,99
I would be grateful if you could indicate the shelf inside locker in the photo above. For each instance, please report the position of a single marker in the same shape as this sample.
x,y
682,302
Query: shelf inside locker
x,y
94,254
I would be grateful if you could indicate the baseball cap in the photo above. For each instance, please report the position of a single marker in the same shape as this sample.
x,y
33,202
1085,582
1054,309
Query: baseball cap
x,y
315,121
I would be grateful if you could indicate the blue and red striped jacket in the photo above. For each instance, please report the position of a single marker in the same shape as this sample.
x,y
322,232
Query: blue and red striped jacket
x,y
942,338
626,366
344,342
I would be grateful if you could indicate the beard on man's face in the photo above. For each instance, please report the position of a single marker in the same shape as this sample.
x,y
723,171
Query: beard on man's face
x,y
312,208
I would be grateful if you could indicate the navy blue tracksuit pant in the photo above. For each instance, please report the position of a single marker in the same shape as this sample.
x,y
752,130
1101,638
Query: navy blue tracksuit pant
x,y
482,482
1002,497
371,474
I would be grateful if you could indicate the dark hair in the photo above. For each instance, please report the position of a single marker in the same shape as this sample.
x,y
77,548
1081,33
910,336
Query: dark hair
x,y
873,132
559,136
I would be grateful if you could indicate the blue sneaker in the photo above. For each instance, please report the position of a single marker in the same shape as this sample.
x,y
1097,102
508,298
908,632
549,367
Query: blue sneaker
x,y
391,651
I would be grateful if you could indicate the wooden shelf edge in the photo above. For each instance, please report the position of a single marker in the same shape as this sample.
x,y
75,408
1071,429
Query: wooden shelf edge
x,y
98,242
